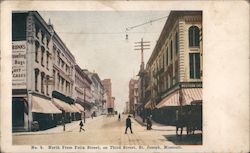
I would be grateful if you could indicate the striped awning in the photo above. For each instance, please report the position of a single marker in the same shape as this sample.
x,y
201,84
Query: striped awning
x,y
148,104
170,100
63,106
189,95
41,105
75,108
79,107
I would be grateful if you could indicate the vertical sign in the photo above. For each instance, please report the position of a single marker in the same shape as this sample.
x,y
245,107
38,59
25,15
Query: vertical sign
x,y
19,65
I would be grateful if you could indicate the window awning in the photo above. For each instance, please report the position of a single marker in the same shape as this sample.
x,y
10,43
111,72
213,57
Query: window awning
x,y
75,108
148,104
40,105
63,106
170,100
80,107
189,95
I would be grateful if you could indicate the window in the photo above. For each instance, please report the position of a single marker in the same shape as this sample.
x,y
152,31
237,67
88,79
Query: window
x,y
176,43
47,85
193,34
42,80
54,78
36,79
42,33
58,58
42,54
37,30
171,50
167,56
58,81
163,61
176,73
36,51
194,65
47,62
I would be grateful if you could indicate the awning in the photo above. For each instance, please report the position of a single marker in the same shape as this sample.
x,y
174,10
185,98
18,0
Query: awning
x,y
148,104
75,108
189,95
40,105
170,100
63,106
80,107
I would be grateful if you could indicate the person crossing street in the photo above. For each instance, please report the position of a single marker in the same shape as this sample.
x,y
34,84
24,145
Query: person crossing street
x,y
128,124
81,126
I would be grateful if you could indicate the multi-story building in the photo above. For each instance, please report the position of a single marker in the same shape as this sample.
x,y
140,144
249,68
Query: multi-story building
x,y
133,95
108,90
42,74
97,92
175,66
32,71
82,87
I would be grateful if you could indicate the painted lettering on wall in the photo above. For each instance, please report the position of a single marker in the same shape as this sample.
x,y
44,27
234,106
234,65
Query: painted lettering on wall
x,y
19,64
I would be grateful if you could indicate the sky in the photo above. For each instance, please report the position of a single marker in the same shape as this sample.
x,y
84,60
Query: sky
x,y
97,39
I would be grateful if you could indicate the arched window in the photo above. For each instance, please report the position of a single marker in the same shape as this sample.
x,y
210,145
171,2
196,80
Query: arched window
x,y
194,34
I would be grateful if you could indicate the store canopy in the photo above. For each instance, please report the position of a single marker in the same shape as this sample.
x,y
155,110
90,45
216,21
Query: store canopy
x,y
63,106
148,104
189,95
75,108
170,100
80,107
40,105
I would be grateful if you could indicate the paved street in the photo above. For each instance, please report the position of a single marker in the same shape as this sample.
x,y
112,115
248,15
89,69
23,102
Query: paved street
x,y
101,130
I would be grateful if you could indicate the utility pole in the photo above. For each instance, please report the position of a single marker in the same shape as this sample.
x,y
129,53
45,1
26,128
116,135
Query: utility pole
x,y
142,45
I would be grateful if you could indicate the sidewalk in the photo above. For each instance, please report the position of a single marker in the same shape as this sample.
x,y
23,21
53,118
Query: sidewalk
x,y
59,129
155,126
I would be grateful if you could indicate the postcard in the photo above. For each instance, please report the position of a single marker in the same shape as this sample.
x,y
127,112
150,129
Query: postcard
x,y
124,76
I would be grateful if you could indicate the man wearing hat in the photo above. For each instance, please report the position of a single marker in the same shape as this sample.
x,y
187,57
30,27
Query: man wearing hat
x,y
128,124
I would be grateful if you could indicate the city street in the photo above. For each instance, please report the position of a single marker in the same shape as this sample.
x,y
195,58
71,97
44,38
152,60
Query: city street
x,y
101,130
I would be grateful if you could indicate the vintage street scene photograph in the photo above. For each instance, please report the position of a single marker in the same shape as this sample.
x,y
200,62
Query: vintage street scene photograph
x,y
107,77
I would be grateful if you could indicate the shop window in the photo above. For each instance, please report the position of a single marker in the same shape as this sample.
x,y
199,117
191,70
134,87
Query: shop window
x,y
194,65
193,34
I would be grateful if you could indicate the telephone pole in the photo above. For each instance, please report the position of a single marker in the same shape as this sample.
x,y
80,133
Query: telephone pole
x,y
142,45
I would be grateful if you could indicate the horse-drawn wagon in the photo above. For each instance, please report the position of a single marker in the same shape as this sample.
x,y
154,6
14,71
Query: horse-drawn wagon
x,y
189,116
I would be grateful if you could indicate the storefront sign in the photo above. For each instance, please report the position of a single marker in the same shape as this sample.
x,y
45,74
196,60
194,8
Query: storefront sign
x,y
19,64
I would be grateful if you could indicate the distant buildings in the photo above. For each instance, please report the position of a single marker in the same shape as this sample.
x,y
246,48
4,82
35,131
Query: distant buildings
x,y
48,87
173,74
108,90
133,95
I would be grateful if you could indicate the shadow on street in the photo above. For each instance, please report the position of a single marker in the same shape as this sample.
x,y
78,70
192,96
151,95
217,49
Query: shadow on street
x,y
195,139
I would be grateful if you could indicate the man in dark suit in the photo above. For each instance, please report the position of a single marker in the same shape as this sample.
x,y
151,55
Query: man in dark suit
x,y
128,124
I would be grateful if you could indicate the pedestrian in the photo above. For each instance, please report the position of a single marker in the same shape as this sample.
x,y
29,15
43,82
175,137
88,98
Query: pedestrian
x,y
128,124
63,124
119,117
149,123
81,126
